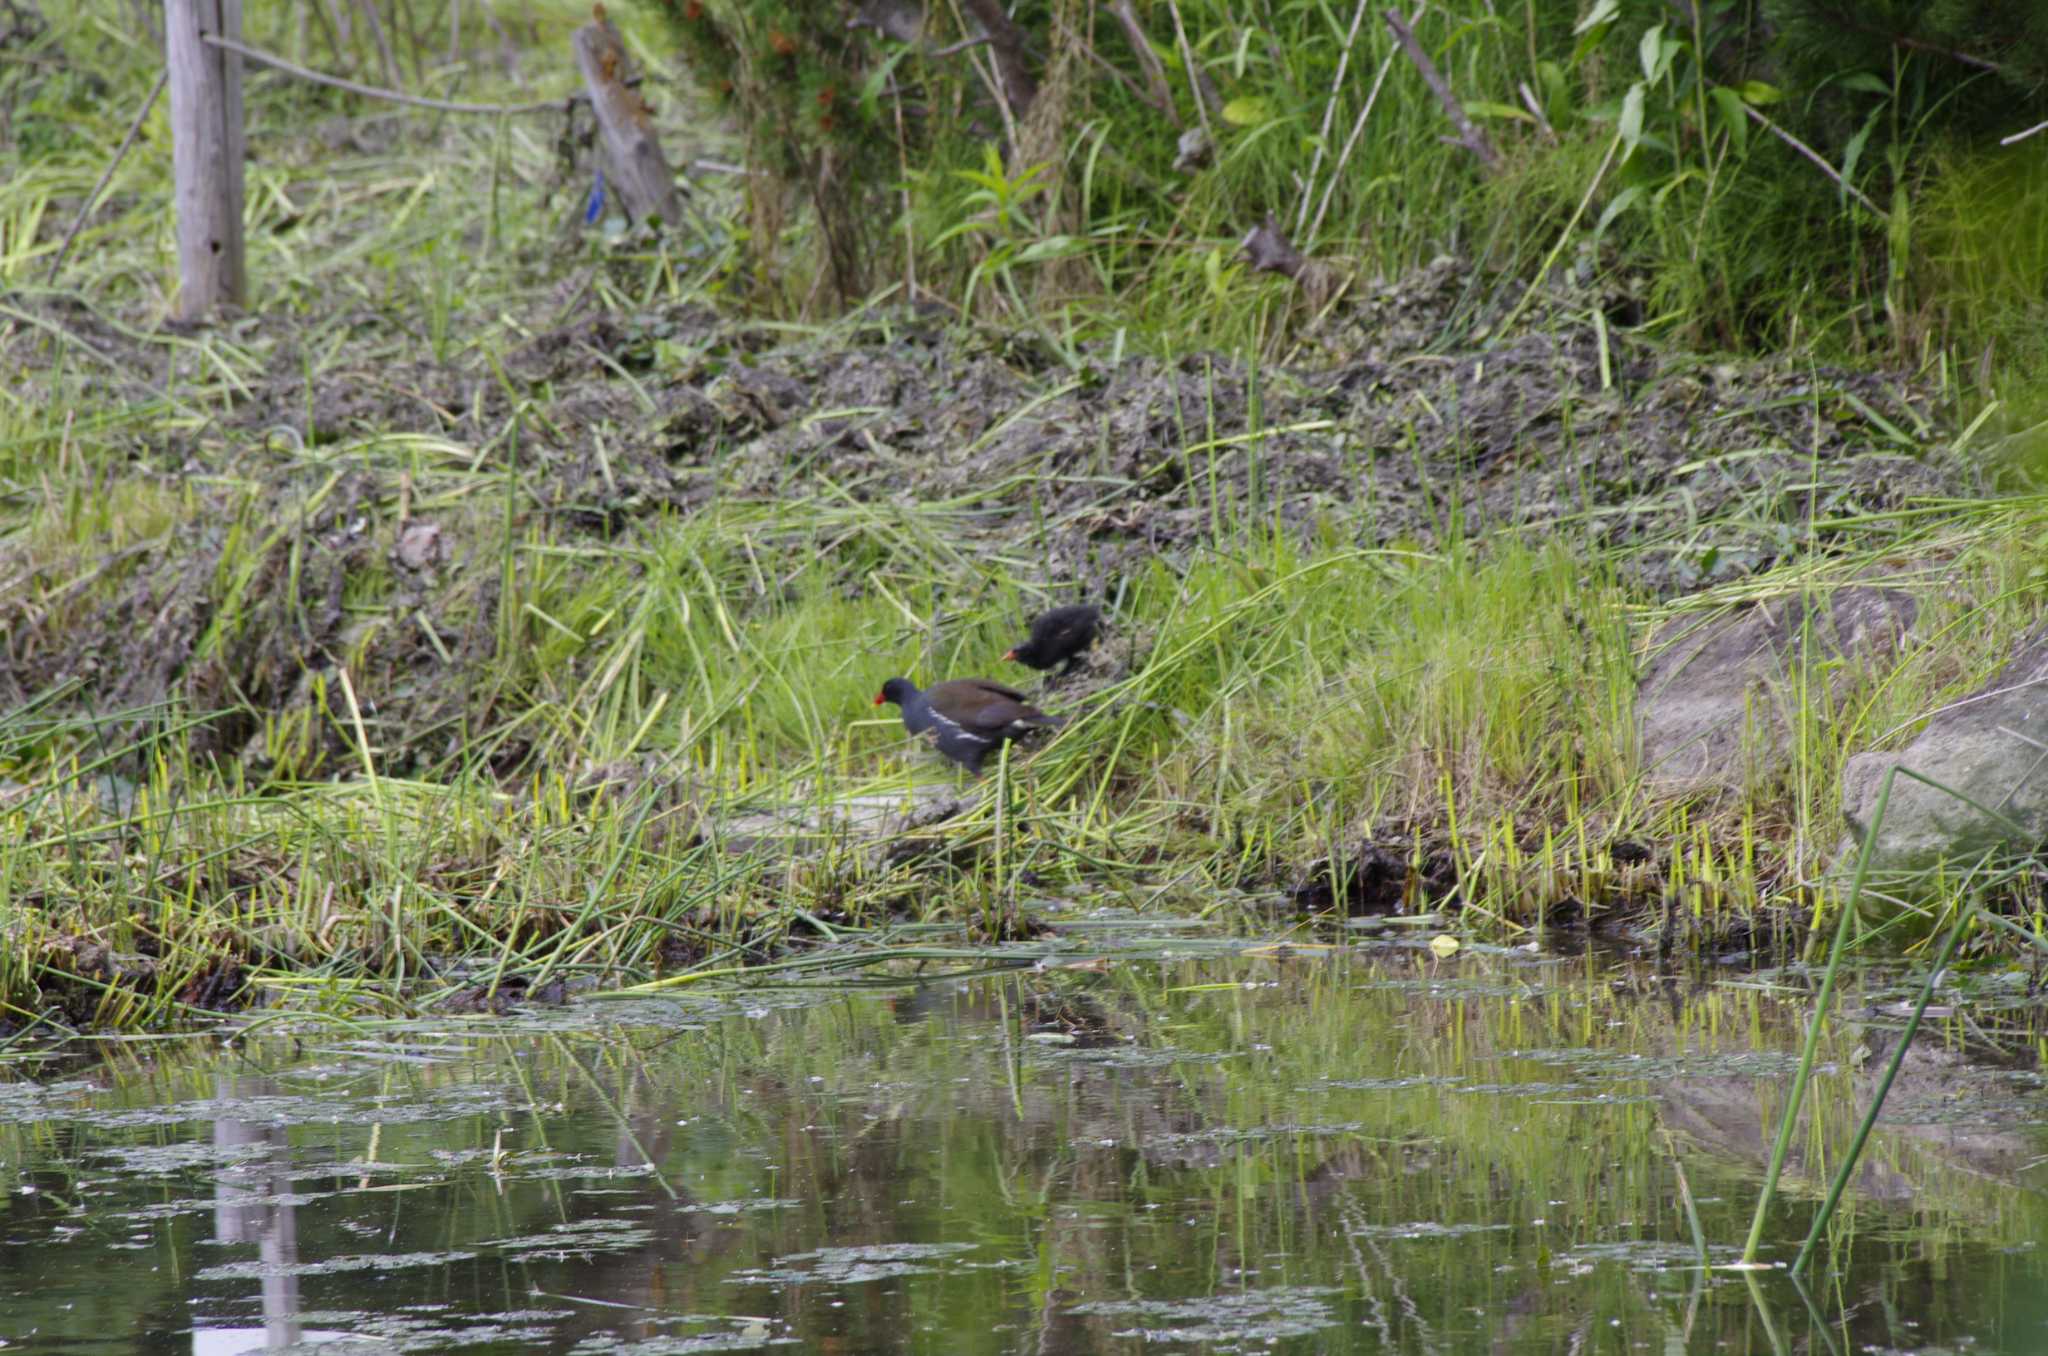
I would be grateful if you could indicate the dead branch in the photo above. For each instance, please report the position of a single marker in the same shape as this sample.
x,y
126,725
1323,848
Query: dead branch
x,y
1372,97
276,62
1156,98
1820,161
1536,111
1330,111
128,141
1207,99
1006,44
1148,60
1269,251
1469,136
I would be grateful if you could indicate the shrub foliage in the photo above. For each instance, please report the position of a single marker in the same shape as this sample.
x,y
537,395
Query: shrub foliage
x,y
1731,166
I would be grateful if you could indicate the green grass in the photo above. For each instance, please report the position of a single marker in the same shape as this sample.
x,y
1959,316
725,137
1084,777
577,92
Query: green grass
x,y
1290,702
610,736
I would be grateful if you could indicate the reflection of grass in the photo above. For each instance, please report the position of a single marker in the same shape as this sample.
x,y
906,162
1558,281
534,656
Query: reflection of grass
x,y
1233,1148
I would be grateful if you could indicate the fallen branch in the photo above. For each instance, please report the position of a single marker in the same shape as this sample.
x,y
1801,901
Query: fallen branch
x,y
120,154
1267,250
1916,45
2036,129
276,62
1148,60
1315,162
1157,98
1469,136
1529,101
1815,156
955,48
1006,46
1207,99
1351,142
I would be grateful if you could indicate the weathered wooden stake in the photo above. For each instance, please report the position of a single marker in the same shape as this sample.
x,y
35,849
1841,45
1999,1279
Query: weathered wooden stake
x,y
639,172
206,153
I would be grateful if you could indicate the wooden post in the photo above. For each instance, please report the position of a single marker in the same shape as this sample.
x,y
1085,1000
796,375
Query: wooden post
x,y
639,172
206,153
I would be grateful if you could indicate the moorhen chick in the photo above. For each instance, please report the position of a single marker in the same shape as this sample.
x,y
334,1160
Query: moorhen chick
x,y
967,717
1059,635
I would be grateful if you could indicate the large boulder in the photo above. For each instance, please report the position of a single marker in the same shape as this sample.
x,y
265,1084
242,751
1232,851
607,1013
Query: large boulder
x,y
1990,748
1713,707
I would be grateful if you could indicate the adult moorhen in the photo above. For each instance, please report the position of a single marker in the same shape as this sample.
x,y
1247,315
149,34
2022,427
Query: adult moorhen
x,y
1059,635
965,716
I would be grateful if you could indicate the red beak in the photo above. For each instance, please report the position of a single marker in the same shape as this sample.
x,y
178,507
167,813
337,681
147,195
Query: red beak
x,y
1010,657
879,699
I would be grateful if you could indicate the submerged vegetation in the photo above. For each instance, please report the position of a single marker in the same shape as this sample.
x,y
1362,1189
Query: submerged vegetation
x,y
501,603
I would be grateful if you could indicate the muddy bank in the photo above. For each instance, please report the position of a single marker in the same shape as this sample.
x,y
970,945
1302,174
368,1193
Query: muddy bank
x,y
1382,429
285,561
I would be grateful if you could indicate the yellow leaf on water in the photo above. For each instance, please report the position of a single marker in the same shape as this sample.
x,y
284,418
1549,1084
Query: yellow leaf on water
x,y
1444,944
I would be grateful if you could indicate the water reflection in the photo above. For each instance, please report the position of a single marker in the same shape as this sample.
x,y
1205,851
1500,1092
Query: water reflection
x,y
252,1204
1312,1152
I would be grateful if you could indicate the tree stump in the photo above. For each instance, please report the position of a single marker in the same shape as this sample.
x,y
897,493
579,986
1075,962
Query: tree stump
x,y
637,168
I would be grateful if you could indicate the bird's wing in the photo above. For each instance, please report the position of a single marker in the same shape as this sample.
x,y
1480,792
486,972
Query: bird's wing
x,y
993,716
1001,708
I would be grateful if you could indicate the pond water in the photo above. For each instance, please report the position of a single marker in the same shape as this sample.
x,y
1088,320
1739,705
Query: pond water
x,y
1358,1149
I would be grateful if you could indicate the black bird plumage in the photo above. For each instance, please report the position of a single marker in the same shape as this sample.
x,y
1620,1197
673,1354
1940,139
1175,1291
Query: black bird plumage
x,y
1059,637
966,717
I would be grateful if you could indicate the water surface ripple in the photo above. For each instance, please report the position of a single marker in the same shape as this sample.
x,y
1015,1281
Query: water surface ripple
x,y
1357,1150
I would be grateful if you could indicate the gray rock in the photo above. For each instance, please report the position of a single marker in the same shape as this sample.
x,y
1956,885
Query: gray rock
x,y
1712,710
1992,747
